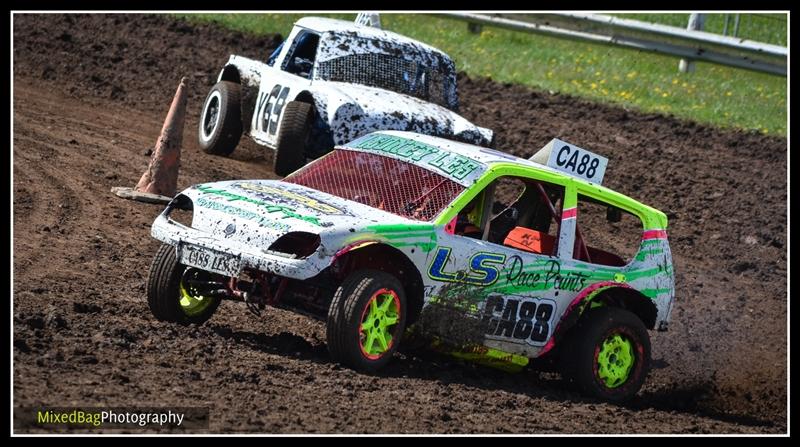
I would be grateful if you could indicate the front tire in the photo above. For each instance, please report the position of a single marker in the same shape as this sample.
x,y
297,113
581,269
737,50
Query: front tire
x,y
220,126
607,354
171,294
366,320
293,136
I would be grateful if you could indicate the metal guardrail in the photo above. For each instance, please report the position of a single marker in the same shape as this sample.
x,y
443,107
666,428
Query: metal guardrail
x,y
670,40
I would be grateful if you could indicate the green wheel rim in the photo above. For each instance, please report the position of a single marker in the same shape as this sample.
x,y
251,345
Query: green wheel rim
x,y
615,360
380,316
192,303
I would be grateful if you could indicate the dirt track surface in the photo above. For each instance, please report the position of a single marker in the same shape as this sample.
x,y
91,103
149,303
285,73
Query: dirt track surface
x,y
90,94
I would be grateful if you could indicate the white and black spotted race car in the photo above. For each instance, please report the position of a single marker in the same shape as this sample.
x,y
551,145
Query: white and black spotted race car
x,y
331,82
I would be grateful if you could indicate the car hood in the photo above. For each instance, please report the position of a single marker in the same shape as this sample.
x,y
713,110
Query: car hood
x,y
397,111
258,212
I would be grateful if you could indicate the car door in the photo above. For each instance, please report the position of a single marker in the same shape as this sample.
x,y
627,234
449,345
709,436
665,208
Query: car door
x,y
498,271
280,84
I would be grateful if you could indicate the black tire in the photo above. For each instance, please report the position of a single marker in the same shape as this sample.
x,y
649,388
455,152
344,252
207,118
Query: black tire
x,y
345,316
290,152
583,347
163,289
220,125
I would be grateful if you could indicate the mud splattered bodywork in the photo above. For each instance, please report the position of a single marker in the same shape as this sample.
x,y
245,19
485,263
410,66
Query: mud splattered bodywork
x,y
359,80
399,196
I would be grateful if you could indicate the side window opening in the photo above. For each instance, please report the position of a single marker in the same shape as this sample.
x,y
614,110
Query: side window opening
x,y
491,211
609,235
505,207
537,226
520,213
301,57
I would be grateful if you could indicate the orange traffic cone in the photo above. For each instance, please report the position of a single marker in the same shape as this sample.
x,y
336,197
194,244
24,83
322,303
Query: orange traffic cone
x,y
160,180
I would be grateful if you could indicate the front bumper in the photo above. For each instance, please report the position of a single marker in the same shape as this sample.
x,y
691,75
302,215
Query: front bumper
x,y
178,235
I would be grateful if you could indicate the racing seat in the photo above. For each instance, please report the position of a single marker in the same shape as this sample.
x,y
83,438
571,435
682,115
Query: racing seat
x,y
529,220
533,241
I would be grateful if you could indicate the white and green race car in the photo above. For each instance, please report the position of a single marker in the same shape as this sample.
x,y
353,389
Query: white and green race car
x,y
399,236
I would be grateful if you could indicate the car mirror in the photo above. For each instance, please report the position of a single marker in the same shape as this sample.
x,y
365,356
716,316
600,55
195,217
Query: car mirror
x,y
613,214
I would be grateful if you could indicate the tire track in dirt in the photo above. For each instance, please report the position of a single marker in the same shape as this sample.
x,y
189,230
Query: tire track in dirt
x,y
67,196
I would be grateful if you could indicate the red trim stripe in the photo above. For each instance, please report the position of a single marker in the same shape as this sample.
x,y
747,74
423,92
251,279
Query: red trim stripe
x,y
569,213
654,234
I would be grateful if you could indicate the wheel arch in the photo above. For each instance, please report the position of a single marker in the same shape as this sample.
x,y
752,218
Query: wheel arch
x,y
230,73
632,300
321,141
306,97
248,88
610,294
383,257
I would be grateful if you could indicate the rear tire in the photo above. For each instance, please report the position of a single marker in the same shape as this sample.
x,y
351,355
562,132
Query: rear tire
x,y
290,151
607,354
366,320
220,127
166,291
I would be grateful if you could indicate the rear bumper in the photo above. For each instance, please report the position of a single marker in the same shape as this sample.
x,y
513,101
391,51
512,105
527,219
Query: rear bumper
x,y
178,235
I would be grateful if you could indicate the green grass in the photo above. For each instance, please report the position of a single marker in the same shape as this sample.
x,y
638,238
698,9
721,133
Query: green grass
x,y
715,94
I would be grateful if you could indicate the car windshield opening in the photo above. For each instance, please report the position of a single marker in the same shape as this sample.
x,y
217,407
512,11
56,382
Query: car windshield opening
x,y
385,183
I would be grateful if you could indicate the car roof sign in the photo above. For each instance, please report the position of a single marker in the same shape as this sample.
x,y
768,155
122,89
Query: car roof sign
x,y
572,160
